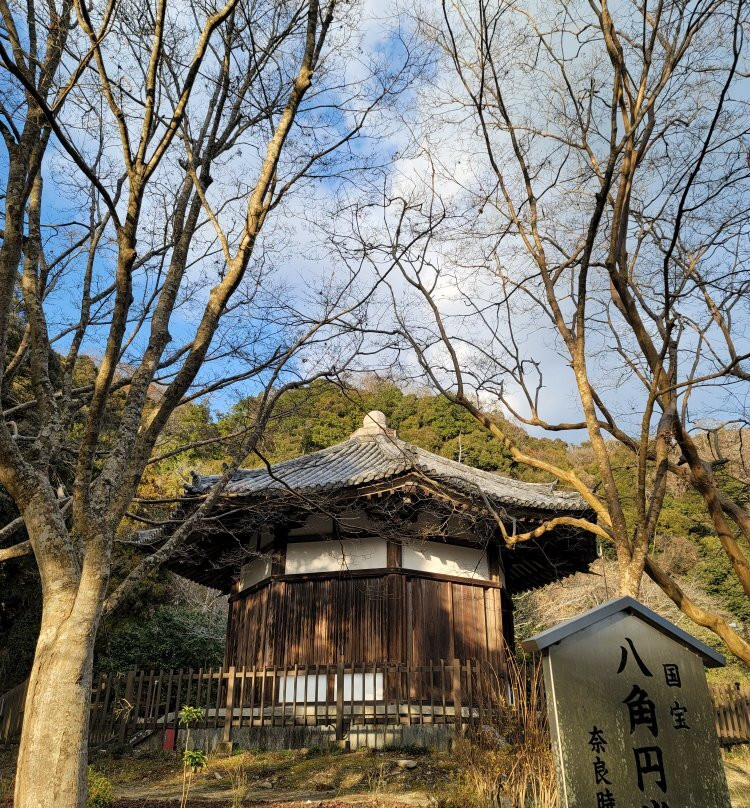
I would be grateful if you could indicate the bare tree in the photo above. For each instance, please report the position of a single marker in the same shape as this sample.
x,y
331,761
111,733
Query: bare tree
x,y
588,209
178,133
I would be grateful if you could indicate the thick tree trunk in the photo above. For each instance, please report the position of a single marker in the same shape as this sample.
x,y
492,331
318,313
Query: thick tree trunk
x,y
630,579
53,754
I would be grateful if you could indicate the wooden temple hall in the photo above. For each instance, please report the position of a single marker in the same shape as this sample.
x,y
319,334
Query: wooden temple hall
x,y
372,574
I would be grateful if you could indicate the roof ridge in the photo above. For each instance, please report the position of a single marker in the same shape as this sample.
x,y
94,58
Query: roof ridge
x,y
378,456
492,475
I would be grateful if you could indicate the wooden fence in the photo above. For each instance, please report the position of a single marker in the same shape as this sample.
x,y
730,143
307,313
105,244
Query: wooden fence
x,y
11,712
732,703
125,706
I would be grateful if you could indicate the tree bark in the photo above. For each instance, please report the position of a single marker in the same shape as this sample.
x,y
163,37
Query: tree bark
x,y
702,617
56,714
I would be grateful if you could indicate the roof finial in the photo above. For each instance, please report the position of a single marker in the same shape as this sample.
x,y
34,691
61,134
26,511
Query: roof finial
x,y
373,424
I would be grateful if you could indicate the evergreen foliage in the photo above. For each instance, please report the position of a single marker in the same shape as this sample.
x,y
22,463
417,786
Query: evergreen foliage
x,y
169,637
324,414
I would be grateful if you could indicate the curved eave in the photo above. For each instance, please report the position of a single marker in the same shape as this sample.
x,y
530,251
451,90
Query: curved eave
x,y
529,564
446,488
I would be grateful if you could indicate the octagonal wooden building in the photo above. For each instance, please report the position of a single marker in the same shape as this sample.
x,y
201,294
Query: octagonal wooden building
x,y
376,551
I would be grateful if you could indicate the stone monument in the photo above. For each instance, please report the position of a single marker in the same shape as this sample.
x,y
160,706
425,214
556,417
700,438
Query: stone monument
x,y
631,718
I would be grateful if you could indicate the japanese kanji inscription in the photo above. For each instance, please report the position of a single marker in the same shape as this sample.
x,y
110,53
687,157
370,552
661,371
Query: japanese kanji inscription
x,y
631,717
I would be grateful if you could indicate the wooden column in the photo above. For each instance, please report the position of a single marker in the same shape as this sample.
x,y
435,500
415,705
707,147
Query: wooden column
x,y
278,558
394,554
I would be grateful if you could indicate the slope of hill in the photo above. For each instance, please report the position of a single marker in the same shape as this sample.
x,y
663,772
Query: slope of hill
x,y
322,415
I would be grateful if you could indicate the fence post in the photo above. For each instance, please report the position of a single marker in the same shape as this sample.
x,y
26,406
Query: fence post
x,y
744,706
228,709
457,707
126,700
340,699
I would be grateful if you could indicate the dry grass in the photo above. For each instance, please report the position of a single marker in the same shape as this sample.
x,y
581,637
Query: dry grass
x,y
542,608
509,760
480,768
240,785
250,777
737,768
531,781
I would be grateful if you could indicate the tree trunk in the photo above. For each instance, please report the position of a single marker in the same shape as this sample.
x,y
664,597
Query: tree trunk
x,y
630,579
53,754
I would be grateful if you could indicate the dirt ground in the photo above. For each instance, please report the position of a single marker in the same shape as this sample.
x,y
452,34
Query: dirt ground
x,y
286,779
334,803
301,779
737,768
295,777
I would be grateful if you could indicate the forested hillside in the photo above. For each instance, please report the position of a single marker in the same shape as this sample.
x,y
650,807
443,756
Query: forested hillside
x,y
173,623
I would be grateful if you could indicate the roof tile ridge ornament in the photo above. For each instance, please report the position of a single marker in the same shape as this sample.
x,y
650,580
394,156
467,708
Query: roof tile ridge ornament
x,y
374,425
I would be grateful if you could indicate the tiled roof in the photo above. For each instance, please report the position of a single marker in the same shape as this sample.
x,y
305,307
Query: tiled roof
x,y
375,454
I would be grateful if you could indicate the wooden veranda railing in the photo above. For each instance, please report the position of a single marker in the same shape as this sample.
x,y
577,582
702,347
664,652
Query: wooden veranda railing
x,y
124,706
456,693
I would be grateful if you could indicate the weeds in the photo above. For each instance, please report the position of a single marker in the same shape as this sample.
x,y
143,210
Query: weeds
x,y
193,760
531,780
376,780
6,788
100,792
507,761
240,785
481,766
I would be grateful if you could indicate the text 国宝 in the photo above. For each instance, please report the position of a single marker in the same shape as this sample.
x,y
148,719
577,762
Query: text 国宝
x,y
650,771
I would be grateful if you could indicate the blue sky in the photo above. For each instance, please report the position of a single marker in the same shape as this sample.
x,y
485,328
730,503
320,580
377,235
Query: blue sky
x,y
294,244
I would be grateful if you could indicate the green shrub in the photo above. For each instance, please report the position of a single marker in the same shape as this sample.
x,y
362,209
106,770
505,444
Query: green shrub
x,y
194,759
191,715
100,791
171,636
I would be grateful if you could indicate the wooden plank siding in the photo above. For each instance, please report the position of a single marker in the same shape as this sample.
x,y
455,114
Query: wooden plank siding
x,y
392,617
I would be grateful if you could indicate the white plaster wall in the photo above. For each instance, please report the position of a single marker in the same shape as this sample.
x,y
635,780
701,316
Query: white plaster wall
x,y
292,688
312,688
367,686
254,571
331,556
445,559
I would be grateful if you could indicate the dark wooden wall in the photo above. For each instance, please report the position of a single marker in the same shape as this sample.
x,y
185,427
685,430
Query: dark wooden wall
x,y
391,617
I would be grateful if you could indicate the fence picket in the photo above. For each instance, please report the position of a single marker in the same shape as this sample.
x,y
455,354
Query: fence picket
x,y
263,677
104,724
241,700
252,697
95,718
273,696
305,683
457,701
123,705
177,694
